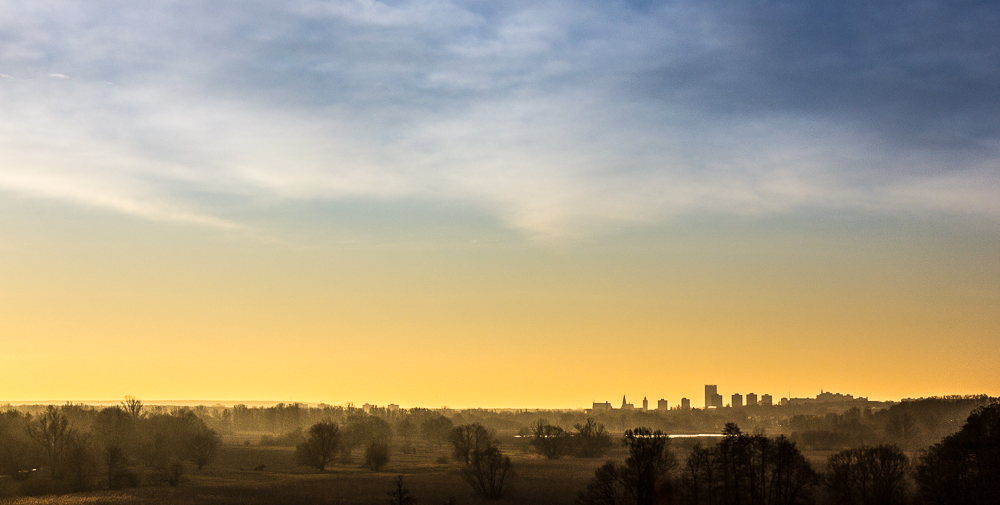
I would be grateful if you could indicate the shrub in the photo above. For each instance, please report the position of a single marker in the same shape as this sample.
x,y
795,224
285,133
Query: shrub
x,y
376,455
593,441
489,472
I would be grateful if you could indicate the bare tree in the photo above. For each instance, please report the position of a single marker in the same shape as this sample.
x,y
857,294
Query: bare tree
x,y
49,430
605,488
699,483
133,406
469,439
399,494
202,446
321,446
79,461
648,461
635,481
750,469
550,441
16,447
114,430
593,441
489,472
362,430
437,428
405,428
868,476
487,469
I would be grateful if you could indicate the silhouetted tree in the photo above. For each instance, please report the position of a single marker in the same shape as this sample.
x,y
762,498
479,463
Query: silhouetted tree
x,y
16,447
649,461
164,441
470,439
593,441
606,488
399,494
486,469
550,441
318,450
751,469
132,406
489,472
699,480
114,430
362,430
437,428
790,477
901,428
202,446
964,468
49,431
79,461
868,476
405,427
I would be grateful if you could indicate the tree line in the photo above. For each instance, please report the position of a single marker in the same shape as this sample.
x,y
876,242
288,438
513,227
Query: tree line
x,y
830,426
131,444
753,469
740,469
121,446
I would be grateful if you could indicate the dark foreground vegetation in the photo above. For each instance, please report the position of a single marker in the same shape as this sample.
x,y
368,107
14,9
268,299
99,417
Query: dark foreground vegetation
x,y
934,451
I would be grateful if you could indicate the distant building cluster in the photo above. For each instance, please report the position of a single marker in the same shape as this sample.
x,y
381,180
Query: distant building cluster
x,y
661,405
714,400
823,397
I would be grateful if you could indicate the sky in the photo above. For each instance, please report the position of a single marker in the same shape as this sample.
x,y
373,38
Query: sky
x,y
498,204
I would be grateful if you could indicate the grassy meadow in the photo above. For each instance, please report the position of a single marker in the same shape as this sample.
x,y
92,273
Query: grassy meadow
x,y
233,478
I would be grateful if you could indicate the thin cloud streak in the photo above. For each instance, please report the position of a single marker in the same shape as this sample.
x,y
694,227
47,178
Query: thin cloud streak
x,y
562,119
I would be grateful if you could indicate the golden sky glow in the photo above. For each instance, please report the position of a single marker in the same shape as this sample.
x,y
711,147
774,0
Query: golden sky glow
x,y
96,306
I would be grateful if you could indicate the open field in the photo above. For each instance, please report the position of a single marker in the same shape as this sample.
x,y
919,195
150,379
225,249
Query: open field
x,y
231,479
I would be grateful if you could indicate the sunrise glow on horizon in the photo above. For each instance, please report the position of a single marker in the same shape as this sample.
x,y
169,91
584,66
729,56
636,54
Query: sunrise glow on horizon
x,y
497,205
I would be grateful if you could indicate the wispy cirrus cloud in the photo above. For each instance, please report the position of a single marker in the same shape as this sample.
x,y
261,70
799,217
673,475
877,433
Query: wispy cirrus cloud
x,y
560,118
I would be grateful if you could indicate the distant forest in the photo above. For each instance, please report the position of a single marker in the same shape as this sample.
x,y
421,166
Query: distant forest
x,y
72,448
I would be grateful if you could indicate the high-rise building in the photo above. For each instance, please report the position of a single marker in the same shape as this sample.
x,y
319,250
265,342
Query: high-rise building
x,y
686,403
711,390
751,399
645,404
737,400
766,400
662,405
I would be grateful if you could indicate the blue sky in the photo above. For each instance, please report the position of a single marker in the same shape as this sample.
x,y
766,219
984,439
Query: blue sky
x,y
561,119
